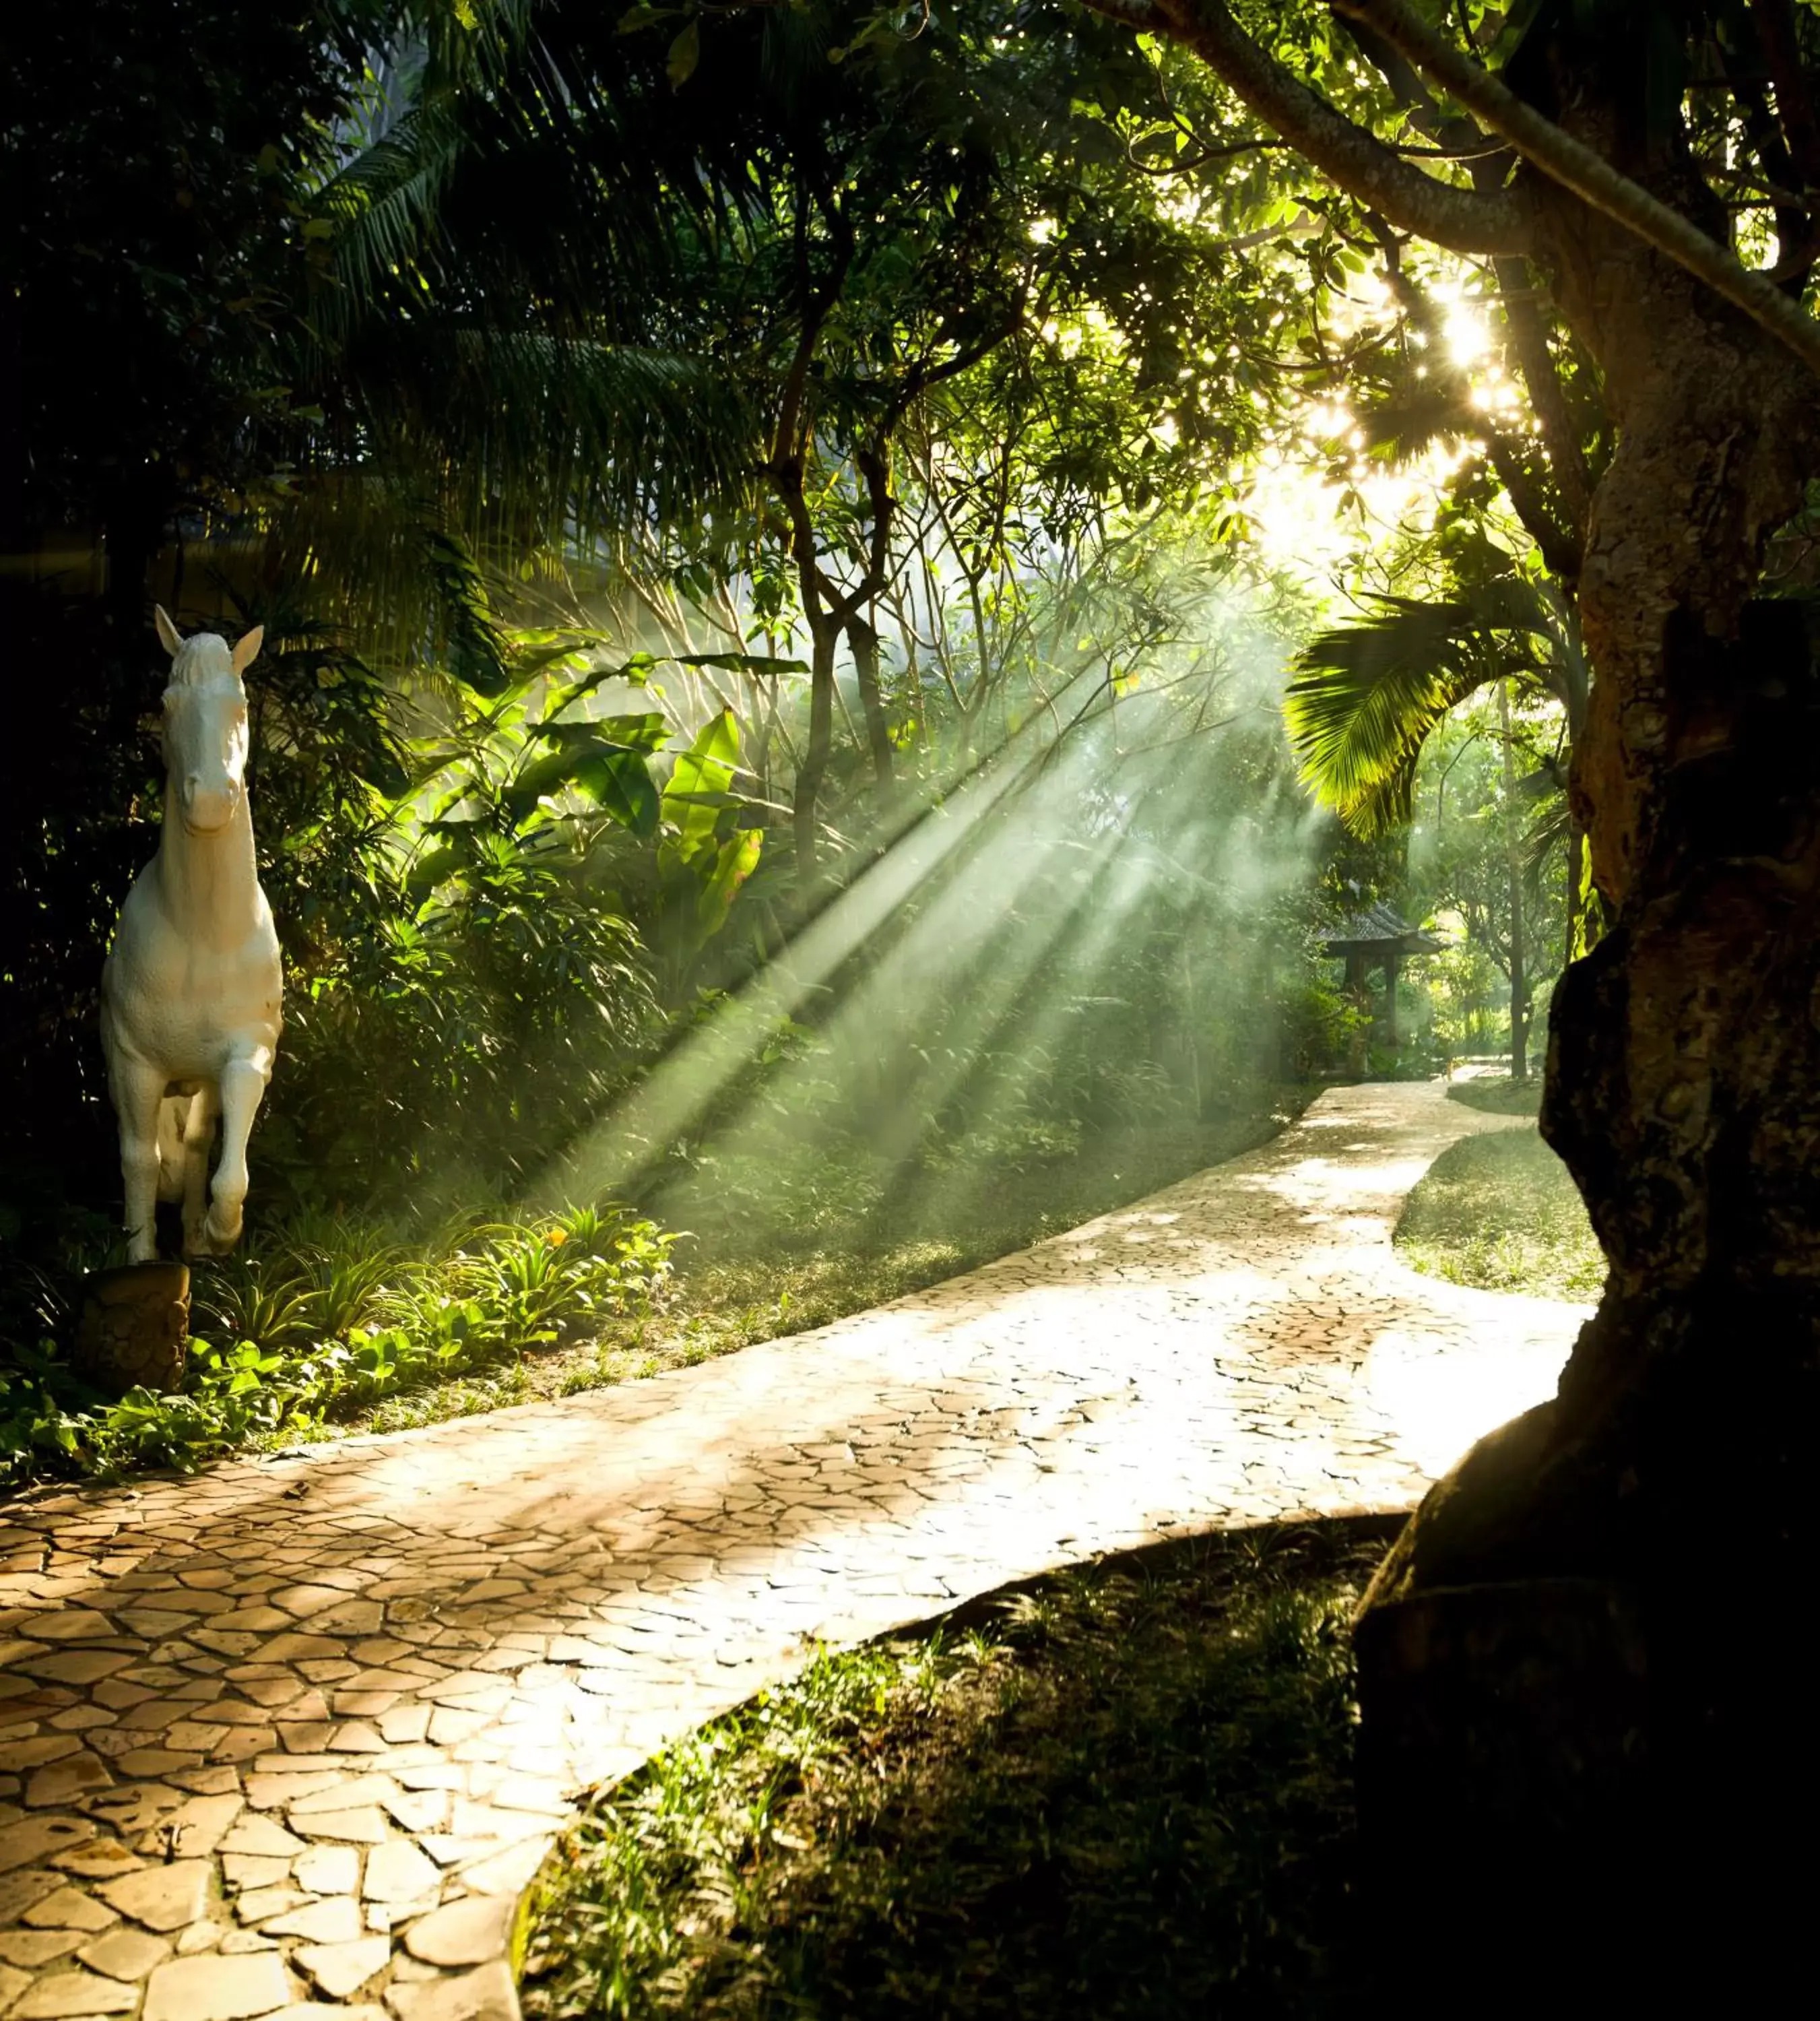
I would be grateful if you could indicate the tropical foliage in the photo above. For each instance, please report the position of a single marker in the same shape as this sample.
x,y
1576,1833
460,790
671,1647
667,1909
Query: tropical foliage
x,y
1370,695
770,696
323,1324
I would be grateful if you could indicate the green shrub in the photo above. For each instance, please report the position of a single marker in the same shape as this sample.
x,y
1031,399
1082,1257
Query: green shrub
x,y
329,1321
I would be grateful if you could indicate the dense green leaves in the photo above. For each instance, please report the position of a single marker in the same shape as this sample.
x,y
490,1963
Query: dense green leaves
x,y
328,1322
618,391
704,857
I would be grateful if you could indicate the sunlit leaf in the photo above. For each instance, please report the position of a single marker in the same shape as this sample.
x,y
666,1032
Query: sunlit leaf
x,y
621,785
685,53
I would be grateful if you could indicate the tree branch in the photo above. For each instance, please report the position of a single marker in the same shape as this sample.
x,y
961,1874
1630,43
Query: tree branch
x,y
1560,549
1560,546
1775,21
1463,220
1590,176
1794,227
1529,339
1527,328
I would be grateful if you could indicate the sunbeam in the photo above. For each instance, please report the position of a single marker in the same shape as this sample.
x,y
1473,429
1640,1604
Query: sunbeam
x,y
944,990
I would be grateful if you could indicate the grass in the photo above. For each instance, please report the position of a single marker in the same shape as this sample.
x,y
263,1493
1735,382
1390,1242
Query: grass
x,y
1500,1212
1499,1095
1123,1790
325,1323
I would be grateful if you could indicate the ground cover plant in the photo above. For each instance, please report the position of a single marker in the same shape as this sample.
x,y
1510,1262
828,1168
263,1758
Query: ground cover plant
x,y
1122,1790
1501,1212
317,1325
1498,1095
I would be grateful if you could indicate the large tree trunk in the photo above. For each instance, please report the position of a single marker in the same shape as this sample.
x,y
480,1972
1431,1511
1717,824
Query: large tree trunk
x,y
1513,872
824,637
1587,1654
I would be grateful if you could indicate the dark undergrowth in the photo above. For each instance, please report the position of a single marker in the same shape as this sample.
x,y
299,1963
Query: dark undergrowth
x,y
1122,1790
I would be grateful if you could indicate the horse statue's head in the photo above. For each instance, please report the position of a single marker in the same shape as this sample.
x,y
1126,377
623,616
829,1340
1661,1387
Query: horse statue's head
x,y
205,723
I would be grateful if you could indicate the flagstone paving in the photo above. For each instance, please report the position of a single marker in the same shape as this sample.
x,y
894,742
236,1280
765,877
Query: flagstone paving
x,y
291,1738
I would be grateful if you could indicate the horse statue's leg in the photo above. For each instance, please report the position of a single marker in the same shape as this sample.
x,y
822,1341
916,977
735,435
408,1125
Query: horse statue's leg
x,y
242,1086
138,1092
199,1114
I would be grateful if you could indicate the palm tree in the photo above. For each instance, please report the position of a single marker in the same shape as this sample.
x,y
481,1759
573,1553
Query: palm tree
x,y
1368,695
485,393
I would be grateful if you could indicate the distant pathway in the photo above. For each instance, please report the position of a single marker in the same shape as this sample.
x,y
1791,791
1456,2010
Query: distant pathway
x,y
293,1736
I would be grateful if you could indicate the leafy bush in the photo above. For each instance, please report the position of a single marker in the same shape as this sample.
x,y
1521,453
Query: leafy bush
x,y
1321,1027
329,1322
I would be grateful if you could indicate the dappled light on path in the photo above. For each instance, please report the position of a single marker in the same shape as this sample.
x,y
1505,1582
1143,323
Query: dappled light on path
x,y
310,1724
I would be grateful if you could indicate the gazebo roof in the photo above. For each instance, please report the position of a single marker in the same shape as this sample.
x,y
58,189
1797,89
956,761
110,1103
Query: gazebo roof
x,y
1380,930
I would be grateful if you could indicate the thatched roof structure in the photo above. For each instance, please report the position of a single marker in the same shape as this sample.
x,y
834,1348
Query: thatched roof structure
x,y
1377,933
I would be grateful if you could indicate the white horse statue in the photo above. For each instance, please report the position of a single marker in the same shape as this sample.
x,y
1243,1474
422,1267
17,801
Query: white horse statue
x,y
190,993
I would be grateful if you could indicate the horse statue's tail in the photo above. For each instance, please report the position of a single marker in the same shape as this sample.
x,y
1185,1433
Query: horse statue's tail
x,y
173,1113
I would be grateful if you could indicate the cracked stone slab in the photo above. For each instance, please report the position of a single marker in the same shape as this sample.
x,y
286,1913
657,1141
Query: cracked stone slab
x,y
213,1988
290,1738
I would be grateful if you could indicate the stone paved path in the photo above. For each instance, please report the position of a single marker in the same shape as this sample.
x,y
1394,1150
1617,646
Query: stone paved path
x,y
291,1738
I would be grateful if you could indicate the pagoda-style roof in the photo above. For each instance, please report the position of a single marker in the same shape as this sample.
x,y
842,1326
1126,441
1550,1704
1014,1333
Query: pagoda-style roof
x,y
1378,931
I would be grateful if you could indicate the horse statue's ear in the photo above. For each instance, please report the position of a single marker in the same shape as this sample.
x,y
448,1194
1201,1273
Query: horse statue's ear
x,y
247,651
167,631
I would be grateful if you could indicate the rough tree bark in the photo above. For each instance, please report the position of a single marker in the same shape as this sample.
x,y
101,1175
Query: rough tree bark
x,y
1611,1572
1583,1665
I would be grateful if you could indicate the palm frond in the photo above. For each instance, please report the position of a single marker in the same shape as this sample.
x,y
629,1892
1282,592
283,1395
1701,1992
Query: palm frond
x,y
1367,697
1509,603
382,562
1403,423
487,450
1369,694
463,614
383,210
1550,831
573,437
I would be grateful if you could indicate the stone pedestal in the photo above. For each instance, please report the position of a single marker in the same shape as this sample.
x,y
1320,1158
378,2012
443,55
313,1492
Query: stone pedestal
x,y
135,1328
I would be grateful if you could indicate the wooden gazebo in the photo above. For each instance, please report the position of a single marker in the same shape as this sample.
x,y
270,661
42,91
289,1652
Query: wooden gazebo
x,y
1378,937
